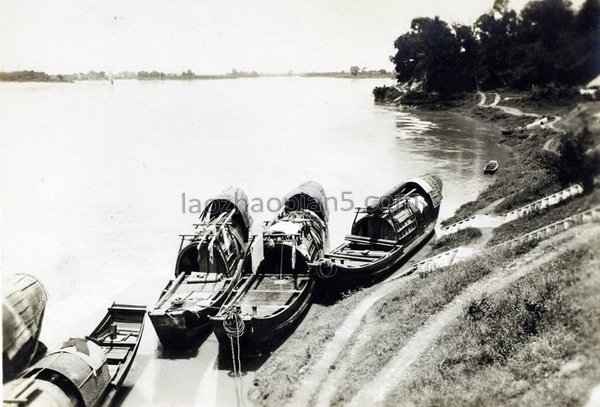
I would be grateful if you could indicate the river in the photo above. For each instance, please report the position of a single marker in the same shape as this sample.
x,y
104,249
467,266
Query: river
x,y
98,180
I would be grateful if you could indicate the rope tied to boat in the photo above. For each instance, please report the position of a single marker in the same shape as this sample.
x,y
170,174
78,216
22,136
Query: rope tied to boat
x,y
326,270
234,327
233,324
177,302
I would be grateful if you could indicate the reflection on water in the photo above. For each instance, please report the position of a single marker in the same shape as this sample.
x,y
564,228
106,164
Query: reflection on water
x,y
410,126
92,177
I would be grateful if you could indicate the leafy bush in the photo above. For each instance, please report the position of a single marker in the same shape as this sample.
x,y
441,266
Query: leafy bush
x,y
575,164
385,93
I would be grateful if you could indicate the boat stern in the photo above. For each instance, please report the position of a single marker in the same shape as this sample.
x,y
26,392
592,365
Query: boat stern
x,y
178,327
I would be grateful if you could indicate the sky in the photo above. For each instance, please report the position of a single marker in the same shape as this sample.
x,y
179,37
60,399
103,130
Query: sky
x,y
214,36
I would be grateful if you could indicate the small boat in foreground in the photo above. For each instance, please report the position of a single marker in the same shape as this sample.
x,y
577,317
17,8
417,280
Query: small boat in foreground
x,y
491,167
268,302
23,306
83,372
209,264
383,235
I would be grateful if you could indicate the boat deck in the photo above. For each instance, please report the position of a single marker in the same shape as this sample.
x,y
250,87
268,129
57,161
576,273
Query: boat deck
x,y
118,335
196,291
355,253
269,293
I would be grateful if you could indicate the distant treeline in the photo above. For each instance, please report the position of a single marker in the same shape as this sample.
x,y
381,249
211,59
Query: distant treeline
x,y
546,43
189,74
354,72
33,76
24,76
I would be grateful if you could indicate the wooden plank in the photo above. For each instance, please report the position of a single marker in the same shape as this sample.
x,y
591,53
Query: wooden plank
x,y
376,254
117,354
365,239
349,257
171,290
262,298
278,291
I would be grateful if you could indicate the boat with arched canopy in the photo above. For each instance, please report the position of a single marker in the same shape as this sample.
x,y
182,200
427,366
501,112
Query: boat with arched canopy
x,y
383,235
83,372
274,294
209,264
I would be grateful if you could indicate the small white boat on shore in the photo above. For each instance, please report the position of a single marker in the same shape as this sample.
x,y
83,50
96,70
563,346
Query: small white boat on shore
x,y
491,167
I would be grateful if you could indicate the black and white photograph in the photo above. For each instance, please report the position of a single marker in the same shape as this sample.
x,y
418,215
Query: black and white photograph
x,y
307,203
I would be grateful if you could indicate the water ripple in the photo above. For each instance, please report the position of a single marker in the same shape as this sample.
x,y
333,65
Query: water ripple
x,y
411,127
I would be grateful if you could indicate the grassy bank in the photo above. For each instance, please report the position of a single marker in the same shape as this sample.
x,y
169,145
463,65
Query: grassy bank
x,y
543,217
521,334
534,172
535,343
409,307
521,340
449,242
398,316
277,379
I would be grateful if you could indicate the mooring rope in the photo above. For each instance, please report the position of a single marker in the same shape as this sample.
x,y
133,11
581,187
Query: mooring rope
x,y
325,270
234,326
238,349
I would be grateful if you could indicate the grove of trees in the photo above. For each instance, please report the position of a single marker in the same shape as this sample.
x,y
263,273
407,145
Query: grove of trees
x,y
548,42
24,76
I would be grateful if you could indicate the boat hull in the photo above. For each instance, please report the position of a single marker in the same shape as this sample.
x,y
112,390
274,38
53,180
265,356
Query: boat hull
x,y
84,371
180,328
491,167
350,277
23,308
262,334
186,326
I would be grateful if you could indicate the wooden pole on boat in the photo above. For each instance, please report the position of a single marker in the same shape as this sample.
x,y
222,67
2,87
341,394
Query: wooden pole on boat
x,y
171,290
217,220
218,232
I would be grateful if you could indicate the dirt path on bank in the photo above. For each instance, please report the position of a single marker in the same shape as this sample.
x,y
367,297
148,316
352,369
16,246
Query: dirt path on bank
x,y
329,388
375,392
506,109
321,382
320,371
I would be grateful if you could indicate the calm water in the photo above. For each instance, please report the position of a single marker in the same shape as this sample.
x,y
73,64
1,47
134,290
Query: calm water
x,y
93,177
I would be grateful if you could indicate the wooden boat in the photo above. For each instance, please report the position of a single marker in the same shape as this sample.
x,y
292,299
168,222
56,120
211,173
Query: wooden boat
x,y
383,235
491,167
209,264
23,308
83,372
268,302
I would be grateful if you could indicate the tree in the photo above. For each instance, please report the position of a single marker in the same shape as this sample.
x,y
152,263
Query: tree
x,y
545,21
429,53
548,43
588,18
587,26
497,38
354,70
406,58
468,59
500,6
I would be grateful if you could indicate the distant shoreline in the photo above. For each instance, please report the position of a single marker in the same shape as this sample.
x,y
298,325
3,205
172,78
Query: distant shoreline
x,y
32,76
